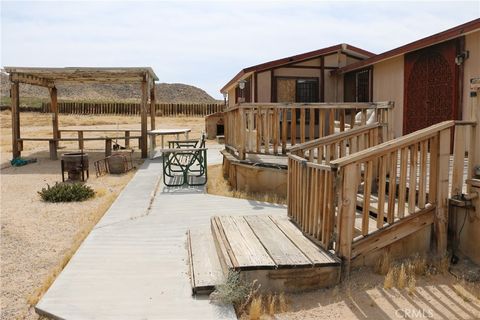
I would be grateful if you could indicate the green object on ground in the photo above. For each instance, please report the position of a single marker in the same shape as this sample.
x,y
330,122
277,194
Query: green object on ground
x,y
66,192
18,162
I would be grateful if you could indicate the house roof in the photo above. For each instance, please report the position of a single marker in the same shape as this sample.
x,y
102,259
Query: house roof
x,y
51,76
346,48
419,44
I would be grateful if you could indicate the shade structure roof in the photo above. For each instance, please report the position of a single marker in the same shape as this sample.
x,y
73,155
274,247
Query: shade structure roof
x,y
51,76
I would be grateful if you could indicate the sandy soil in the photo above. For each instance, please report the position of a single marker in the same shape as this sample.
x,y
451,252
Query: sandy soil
x,y
364,297
38,238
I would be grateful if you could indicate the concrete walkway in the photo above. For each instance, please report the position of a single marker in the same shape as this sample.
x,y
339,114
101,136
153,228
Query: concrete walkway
x,y
133,265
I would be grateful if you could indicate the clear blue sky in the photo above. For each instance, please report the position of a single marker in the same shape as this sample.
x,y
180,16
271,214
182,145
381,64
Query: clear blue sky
x,y
206,43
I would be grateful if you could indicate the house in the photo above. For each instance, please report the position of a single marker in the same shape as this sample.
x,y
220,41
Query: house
x,y
428,79
279,138
304,77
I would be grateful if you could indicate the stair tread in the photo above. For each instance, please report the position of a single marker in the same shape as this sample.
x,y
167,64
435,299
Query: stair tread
x,y
205,269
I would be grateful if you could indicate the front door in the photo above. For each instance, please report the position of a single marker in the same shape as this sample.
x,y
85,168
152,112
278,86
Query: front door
x,y
431,86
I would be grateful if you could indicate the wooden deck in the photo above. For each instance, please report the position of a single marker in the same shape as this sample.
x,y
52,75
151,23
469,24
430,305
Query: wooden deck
x,y
272,251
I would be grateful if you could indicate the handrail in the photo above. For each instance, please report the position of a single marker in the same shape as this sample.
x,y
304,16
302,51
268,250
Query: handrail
x,y
393,144
317,105
333,137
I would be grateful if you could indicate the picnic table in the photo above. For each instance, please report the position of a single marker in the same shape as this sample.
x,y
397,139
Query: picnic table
x,y
165,132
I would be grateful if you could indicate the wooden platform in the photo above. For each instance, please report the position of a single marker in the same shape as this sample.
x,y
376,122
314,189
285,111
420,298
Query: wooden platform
x,y
274,252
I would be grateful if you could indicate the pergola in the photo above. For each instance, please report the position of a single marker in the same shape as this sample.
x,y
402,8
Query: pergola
x,y
51,77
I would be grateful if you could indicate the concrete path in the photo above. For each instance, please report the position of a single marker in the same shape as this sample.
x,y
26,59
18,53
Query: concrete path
x,y
133,265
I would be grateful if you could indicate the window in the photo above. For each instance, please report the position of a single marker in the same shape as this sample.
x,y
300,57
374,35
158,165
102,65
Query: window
x,y
357,86
307,90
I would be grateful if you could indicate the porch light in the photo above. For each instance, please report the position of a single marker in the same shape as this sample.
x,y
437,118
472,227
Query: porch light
x,y
241,84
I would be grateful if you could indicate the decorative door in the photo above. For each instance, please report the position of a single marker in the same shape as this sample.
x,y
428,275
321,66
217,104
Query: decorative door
x,y
430,86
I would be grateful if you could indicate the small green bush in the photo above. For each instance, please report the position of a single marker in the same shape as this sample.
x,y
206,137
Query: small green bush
x,y
66,192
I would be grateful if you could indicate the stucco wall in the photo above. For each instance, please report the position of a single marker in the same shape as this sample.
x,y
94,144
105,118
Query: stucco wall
x,y
231,97
388,86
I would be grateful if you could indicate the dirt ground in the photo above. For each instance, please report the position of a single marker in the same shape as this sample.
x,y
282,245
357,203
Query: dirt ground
x,y
38,238
364,297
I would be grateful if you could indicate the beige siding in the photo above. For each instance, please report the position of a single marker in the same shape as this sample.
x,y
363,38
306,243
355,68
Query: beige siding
x,y
264,86
471,70
388,85
292,72
231,97
309,63
470,236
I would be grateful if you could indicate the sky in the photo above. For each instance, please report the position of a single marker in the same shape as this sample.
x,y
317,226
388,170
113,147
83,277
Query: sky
x,y
205,43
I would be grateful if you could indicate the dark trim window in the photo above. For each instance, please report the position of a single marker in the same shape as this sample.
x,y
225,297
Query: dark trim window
x,y
306,90
358,86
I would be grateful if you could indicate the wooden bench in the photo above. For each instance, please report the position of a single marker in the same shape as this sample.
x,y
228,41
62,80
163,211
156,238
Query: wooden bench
x,y
53,143
80,134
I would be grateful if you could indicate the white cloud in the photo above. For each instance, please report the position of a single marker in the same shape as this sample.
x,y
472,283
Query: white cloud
x,y
206,43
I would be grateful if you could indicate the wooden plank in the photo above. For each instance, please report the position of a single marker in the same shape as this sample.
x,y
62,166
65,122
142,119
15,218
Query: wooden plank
x,y
441,217
349,186
206,271
248,251
412,181
402,186
314,253
282,251
15,109
458,160
367,189
395,232
143,119
226,257
392,188
422,183
381,191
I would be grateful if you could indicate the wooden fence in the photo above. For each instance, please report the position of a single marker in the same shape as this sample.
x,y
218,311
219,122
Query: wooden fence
x,y
130,109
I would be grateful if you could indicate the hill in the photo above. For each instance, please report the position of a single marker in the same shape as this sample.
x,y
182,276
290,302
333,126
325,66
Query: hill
x,y
165,92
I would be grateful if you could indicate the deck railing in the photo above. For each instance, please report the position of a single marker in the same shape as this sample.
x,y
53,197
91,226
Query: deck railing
x,y
311,189
342,202
270,128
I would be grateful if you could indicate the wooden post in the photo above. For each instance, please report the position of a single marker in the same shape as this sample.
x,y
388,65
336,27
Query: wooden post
x,y
80,140
152,117
52,146
127,139
243,133
143,118
441,216
54,111
347,206
108,147
15,95
152,106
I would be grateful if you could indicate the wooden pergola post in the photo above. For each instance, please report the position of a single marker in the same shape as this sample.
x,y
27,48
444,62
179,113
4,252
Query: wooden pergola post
x,y
143,118
153,142
54,111
15,100
152,106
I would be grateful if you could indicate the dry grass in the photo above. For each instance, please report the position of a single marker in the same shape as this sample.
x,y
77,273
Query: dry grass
x,y
218,185
402,274
255,310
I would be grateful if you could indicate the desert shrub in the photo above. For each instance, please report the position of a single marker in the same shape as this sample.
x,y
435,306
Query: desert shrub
x,y
233,291
66,192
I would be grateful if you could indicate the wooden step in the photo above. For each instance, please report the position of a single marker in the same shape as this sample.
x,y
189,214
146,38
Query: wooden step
x,y
205,269
274,252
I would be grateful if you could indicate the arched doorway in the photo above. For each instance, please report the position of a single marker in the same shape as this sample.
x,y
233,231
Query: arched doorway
x,y
431,87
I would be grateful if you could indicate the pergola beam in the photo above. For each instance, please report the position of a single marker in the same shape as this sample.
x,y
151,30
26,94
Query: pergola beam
x,y
31,79
50,77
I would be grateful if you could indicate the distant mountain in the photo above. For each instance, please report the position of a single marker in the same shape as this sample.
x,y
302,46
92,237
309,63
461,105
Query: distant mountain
x,y
165,92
